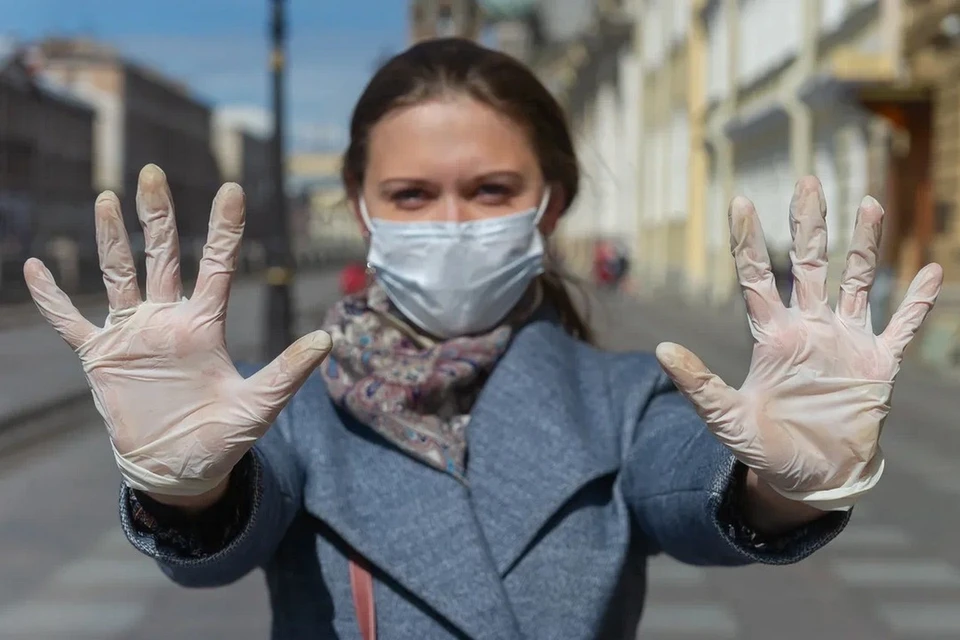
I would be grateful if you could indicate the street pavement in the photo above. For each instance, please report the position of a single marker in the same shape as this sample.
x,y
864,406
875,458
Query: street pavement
x,y
893,574
66,571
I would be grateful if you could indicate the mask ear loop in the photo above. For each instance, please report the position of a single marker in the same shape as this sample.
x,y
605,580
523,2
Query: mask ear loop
x,y
365,215
544,201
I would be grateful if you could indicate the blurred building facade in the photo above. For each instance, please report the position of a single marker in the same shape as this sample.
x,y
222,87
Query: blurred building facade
x,y
857,92
141,117
243,153
780,111
921,117
45,174
678,105
324,227
538,31
603,102
444,18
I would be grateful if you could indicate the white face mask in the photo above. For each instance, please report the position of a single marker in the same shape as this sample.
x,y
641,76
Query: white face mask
x,y
457,278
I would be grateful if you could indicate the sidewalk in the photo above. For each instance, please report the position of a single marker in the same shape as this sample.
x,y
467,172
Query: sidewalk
x,y
38,371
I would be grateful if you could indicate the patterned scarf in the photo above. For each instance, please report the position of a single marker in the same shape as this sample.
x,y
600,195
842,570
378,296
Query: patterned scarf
x,y
413,391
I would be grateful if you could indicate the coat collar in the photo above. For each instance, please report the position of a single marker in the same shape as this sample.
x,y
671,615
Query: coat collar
x,y
532,445
534,439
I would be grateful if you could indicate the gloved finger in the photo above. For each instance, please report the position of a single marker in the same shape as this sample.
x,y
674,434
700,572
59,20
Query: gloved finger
x,y
861,267
220,252
711,397
162,245
269,390
917,303
55,305
116,258
750,254
808,228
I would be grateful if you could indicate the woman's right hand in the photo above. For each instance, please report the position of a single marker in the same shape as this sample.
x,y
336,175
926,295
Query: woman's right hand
x,y
178,413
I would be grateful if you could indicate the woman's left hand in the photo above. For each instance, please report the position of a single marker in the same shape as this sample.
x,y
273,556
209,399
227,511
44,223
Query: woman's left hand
x,y
808,417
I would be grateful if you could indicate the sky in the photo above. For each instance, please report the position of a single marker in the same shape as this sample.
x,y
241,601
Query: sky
x,y
220,48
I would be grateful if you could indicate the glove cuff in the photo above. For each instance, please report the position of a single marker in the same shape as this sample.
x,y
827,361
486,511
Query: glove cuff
x,y
842,498
143,480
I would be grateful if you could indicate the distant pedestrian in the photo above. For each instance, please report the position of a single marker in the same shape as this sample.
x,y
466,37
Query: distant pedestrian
x,y
353,278
610,265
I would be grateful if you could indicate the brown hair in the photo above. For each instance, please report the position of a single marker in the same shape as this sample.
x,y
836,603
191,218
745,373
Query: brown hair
x,y
454,65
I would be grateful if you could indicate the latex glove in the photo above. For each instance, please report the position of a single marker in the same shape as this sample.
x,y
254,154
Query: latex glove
x,y
178,413
808,417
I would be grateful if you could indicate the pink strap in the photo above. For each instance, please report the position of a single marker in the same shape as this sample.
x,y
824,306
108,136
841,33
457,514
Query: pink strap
x,y
361,583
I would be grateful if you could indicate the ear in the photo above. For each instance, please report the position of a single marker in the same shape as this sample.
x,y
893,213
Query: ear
x,y
353,200
555,208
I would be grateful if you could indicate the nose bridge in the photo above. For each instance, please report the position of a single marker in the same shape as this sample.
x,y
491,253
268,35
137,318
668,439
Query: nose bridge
x,y
455,208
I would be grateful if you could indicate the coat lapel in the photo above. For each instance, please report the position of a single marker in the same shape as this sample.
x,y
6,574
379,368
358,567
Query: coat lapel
x,y
533,441
413,523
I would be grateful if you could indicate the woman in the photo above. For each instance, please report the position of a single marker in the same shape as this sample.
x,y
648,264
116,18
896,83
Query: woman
x,y
465,464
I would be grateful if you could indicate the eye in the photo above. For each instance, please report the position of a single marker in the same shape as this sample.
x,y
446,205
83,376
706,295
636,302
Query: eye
x,y
409,198
494,193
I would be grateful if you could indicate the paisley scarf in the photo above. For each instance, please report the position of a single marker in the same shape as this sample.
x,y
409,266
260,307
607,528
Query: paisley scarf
x,y
414,391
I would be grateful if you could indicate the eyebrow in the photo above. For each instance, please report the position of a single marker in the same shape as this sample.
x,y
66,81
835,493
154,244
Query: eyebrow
x,y
393,183
511,175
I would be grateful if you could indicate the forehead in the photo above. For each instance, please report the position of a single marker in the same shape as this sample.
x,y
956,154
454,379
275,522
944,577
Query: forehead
x,y
447,137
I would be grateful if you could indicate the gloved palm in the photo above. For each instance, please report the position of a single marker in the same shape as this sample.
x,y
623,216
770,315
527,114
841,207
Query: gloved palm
x,y
808,417
178,413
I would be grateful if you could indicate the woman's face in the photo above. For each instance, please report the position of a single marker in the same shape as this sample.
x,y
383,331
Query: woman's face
x,y
453,159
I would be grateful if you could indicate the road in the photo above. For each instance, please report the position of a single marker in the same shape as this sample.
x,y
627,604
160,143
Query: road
x,y
895,573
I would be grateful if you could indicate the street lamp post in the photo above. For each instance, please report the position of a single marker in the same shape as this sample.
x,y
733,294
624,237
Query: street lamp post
x,y
280,272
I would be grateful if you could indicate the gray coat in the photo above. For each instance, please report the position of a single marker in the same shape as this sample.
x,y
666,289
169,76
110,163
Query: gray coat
x,y
582,464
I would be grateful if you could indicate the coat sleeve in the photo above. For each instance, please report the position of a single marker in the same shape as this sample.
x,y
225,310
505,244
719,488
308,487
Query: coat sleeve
x,y
272,492
685,490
